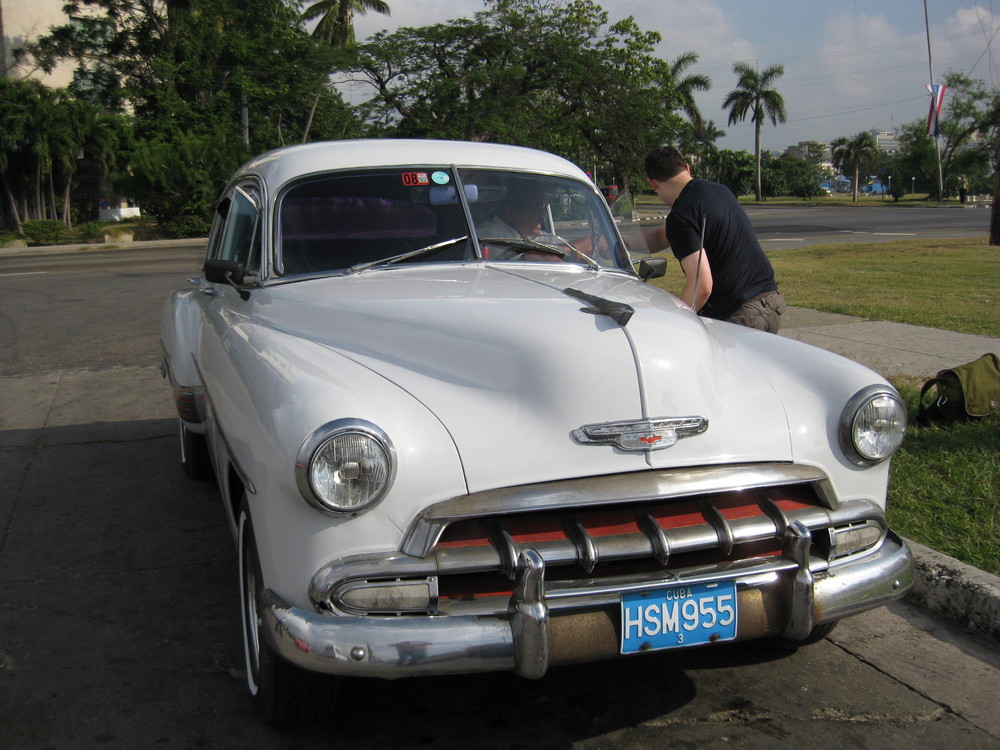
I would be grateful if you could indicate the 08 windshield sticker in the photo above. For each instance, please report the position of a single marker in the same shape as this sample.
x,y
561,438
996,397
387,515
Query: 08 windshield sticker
x,y
416,179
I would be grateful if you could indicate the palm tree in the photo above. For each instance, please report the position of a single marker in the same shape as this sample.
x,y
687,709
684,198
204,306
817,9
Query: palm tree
x,y
685,86
336,28
855,154
755,97
336,18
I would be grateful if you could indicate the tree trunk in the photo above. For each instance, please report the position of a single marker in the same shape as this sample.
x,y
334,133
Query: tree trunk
x,y
309,122
13,205
995,211
67,219
758,192
52,196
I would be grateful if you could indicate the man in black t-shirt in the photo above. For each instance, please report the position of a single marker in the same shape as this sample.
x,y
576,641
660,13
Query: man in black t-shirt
x,y
728,277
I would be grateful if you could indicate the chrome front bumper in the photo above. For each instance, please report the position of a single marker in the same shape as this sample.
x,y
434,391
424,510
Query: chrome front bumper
x,y
776,596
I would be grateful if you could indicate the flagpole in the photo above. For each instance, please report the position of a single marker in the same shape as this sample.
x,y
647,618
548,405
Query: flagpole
x,y
930,66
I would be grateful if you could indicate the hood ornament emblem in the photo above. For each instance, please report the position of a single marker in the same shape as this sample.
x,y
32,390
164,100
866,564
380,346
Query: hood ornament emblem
x,y
641,434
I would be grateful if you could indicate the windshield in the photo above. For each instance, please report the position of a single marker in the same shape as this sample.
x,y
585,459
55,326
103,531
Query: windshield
x,y
520,216
354,221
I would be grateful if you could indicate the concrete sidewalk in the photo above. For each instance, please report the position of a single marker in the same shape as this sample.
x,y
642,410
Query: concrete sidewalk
x,y
891,349
959,592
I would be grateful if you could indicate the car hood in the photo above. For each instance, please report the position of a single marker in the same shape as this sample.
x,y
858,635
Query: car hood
x,y
512,364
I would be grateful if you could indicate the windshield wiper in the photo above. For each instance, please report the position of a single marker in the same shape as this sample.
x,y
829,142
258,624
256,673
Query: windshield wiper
x,y
529,244
524,243
419,252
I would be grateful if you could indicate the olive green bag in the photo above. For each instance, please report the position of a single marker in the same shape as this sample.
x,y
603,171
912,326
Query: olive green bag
x,y
969,390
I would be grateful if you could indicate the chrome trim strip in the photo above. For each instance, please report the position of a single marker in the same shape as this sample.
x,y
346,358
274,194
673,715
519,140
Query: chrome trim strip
x,y
658,539
586,550
616,489
718,522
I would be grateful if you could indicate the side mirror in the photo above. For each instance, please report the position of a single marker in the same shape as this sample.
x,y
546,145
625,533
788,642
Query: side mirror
x,y
227,272
224,272
652,268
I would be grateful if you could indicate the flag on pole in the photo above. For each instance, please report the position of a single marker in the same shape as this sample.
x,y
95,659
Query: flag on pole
x,y
937,102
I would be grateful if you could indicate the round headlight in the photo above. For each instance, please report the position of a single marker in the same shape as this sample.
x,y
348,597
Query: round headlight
x,y
873,425
345,466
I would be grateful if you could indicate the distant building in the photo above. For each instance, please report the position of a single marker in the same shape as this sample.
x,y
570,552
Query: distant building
x,y
803,150
886,140
23,21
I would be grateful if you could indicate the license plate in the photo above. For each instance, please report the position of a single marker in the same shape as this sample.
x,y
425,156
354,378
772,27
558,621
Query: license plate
x,y
682,615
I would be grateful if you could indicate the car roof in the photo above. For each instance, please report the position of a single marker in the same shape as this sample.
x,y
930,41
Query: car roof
x,y
281,165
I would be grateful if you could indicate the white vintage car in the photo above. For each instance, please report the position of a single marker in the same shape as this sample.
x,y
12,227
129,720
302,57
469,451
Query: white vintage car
x,y
455,431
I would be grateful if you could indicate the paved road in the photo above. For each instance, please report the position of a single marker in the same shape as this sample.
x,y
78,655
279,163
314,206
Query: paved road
x,y
118,596
787,226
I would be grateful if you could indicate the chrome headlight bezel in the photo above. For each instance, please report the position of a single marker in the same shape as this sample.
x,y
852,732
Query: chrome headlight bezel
x,y
868,439
315,448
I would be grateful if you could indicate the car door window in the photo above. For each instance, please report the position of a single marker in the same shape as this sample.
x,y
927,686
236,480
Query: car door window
x,y
239,240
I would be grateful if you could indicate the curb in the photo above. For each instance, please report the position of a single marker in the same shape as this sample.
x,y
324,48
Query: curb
x,y
960,593
24,252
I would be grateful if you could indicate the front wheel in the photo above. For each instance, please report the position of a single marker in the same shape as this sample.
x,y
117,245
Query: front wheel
x,y
284,695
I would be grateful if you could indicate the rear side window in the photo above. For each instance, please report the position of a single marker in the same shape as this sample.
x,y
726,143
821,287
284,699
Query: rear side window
x,y
336,222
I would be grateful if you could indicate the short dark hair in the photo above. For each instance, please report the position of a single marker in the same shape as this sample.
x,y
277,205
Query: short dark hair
x,y
664,162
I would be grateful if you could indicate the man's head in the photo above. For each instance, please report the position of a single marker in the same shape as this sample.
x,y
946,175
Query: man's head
x,y
524,209
667,173
663,163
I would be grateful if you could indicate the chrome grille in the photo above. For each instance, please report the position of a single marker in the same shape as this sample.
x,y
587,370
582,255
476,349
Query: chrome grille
x,y
597,533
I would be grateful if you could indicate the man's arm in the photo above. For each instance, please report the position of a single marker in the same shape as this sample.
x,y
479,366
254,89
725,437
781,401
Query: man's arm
x,y
689,264
656,238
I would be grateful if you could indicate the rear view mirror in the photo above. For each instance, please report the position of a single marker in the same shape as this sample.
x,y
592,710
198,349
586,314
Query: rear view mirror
x,y
652,268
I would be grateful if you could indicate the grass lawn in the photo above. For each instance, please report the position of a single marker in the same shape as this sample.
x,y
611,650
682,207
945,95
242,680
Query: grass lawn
x,y
949,284
944,486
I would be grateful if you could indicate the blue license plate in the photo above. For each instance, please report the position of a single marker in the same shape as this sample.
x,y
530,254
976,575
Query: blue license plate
x,y
682,615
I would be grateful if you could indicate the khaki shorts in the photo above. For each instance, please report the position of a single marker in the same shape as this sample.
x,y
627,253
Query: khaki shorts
x,y
762,313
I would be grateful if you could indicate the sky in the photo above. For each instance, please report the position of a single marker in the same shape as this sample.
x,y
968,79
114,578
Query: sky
x,y
850,65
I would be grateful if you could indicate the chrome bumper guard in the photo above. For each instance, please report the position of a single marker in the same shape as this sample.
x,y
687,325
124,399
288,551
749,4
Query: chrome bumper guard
x,y
525,638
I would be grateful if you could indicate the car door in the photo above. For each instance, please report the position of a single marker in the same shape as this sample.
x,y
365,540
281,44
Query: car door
x,y
236,237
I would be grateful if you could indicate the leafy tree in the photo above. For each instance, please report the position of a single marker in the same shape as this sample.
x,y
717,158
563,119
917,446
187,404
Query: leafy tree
x,y
734,169
858,155
790,175
755,98
232,76
968,141
553,74
48,137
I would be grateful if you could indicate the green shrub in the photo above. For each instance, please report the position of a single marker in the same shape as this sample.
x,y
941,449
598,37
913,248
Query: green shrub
x,y
92,230
185,227
44,231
